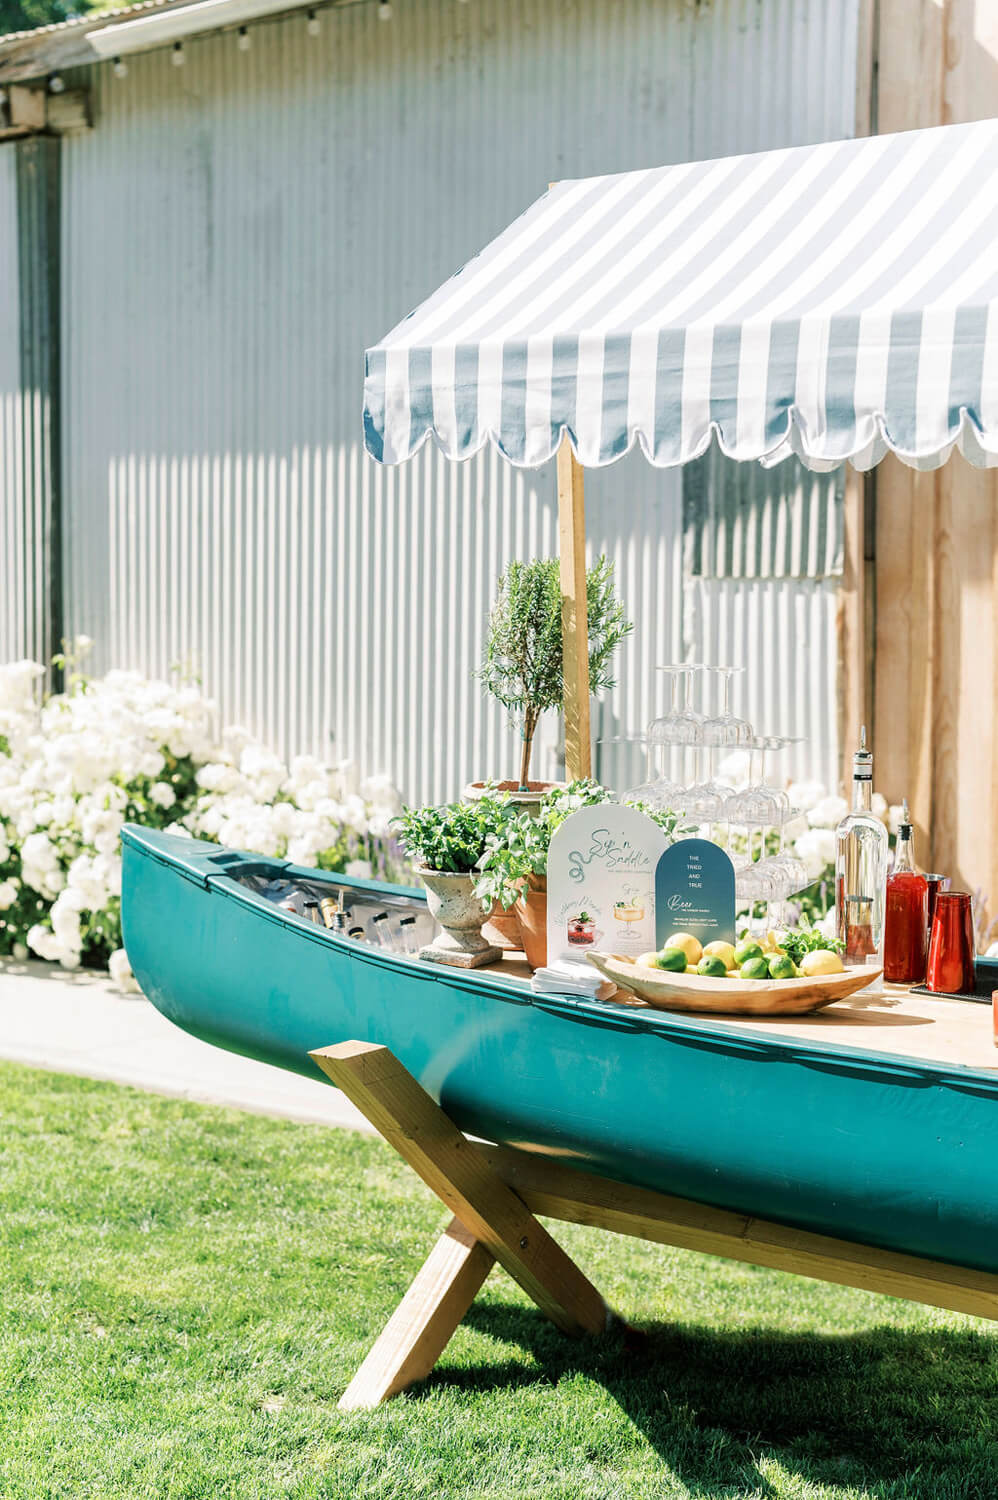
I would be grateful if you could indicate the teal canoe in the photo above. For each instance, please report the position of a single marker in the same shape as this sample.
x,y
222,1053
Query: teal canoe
x,y
890,1151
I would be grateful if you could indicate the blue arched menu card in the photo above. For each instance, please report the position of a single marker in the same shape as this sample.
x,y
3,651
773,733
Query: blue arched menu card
x,y
695,892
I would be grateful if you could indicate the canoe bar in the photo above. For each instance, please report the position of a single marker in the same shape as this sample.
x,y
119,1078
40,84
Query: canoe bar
x,y
494,1193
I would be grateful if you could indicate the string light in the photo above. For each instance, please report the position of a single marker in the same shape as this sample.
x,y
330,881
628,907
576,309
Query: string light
x,y
244,41
56,83
313,25
120,68
178,59
384,10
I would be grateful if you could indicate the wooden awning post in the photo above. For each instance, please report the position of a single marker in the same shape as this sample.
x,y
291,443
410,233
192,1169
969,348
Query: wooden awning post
x,y
574,614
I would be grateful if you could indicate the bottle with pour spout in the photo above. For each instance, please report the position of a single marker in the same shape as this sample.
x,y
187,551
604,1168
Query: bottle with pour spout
x,y
861,869
906,918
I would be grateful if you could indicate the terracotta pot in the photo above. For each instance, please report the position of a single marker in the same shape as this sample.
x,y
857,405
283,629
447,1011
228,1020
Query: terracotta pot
x,y
532,910
459,914
502,929
530,799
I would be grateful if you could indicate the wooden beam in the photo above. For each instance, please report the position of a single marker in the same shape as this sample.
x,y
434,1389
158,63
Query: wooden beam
x,y
401,1110
574,618
560,1192
854,641
418,1331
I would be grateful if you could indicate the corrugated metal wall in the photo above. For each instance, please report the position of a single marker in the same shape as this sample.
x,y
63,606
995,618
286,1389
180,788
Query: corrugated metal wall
x,y
13,592
237,230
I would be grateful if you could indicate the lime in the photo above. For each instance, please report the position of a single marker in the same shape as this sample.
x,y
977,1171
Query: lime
x,y
755,968
781,967
747,949
712,966
689,944
670,958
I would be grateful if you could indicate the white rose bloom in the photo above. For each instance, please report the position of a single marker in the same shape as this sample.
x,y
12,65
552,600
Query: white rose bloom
x,y
121,972
69,958
878,806
809,848
805,794
825,843
734,768
355,815
894,815
380,790
43,942
8,894
301,853
828,926
828,813
347,778
381,825
360,869
795,828
162,794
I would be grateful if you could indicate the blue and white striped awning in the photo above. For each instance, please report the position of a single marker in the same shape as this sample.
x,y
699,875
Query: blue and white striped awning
x,y
834,301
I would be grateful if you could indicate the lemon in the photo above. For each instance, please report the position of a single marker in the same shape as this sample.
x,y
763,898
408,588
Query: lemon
x,y
724,951
821,961
689,944
648,959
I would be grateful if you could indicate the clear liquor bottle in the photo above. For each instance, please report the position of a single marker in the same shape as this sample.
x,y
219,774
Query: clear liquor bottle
x,y
861,869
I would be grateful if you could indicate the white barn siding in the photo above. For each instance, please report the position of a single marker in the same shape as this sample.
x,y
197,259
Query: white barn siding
x,y
237,230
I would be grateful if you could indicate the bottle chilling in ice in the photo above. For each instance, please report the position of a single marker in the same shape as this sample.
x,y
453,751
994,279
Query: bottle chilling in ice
x,y
861,869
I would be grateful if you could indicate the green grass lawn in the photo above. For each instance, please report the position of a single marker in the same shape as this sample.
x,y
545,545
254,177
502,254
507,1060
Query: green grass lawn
x,y
186,1291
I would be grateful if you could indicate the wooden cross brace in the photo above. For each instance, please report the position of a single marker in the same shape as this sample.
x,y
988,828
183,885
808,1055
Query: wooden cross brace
x,y
494,1193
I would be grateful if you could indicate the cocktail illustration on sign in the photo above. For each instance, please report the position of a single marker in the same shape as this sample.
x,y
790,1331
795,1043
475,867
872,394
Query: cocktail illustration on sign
x,y
581,929
628,911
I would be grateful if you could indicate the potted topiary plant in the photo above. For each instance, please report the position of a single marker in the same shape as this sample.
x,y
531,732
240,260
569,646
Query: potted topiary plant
x,y
523,666
447,844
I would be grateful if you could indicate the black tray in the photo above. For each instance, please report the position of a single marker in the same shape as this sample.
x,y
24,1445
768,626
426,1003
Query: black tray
x,y
985,984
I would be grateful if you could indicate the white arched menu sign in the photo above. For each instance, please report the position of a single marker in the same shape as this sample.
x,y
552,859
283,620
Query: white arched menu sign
x,y
601,882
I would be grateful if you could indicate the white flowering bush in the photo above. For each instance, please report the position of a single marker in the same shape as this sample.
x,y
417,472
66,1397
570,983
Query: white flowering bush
x,y
124,748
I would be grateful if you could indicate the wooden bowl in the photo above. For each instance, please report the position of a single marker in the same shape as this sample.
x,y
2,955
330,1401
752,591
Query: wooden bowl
x,y
734,997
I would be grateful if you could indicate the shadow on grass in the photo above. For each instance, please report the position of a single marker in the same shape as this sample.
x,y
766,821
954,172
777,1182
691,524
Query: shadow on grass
x,y
912,1414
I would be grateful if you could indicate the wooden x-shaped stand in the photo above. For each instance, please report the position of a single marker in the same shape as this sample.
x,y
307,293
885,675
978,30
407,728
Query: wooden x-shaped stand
x,y
494,1193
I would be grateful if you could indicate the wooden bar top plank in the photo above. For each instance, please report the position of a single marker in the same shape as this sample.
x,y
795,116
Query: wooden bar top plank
x,y
418,1330
940,1029
453,1167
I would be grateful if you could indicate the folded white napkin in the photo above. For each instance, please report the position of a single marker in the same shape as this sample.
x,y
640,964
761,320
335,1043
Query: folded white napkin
x,y
565,978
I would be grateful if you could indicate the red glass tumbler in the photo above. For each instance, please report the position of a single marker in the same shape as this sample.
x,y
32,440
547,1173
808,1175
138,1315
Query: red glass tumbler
x,y
951,949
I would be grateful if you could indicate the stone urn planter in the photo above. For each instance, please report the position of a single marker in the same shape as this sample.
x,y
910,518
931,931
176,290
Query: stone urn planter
x,y
529,797
532,912
459,914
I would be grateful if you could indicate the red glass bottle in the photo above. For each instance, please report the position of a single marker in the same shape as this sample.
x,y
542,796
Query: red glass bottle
x,y
906,915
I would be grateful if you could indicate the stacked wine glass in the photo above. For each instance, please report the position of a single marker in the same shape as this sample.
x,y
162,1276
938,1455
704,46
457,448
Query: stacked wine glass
x,y
683,747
